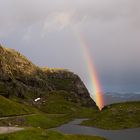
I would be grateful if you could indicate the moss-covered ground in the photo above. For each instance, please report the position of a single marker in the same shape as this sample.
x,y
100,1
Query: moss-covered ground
x,y
57,110
11,108
117,116
40,134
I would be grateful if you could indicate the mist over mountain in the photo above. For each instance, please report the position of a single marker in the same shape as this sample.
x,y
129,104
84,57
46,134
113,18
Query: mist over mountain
x,y
116,97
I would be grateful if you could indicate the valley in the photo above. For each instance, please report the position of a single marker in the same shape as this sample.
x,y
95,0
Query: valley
x,y
34,100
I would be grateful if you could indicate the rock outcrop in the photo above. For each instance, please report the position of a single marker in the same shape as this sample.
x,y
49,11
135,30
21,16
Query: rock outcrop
x,y
20,78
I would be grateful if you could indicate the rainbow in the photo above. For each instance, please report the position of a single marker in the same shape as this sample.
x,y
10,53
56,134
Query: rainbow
x,y
96,91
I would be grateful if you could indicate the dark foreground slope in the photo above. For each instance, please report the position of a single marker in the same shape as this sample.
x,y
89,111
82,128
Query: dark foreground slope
x,y
22,80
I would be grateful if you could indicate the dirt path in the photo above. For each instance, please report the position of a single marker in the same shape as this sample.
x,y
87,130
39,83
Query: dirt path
x,y
10,117
7,129
4,130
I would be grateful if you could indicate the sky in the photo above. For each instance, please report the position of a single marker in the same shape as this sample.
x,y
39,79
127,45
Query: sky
x,y
42,30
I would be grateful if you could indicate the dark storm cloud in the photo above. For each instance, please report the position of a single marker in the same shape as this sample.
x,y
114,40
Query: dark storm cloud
x,y
41,30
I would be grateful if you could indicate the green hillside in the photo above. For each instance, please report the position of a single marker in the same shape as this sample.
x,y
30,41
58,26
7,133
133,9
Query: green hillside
x,y
62,97
23,80
60,102
11,108
51,111
117,116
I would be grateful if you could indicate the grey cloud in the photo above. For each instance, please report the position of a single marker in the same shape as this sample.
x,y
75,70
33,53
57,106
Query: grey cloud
x,y
41,30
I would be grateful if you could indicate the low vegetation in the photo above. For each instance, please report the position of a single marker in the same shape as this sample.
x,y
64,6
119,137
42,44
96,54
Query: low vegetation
x,y
62,97
117,116
56,110
39,134
11,108
61,102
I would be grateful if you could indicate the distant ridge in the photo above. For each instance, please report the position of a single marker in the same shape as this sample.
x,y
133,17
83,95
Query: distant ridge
x,y
117,97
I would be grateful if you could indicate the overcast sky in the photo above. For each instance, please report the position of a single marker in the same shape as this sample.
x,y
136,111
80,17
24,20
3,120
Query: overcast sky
x,y
42,31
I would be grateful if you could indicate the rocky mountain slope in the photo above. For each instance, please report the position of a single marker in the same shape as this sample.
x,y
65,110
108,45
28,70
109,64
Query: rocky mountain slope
x,y
21,79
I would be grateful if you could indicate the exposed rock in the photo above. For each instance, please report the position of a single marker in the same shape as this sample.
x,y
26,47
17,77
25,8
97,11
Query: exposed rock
x,y
21,78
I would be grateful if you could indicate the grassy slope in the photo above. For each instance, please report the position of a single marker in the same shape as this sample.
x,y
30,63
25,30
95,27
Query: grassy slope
x,y
55,102
41,120
56,110
59,102
11,108
39,134
62,84
117,116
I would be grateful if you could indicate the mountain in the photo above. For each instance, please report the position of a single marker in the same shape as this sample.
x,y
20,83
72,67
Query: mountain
x,y
37,99
117,97
22,80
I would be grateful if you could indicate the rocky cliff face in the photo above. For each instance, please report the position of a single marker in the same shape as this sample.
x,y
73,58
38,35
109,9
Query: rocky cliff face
x,y
60,79
21,78
18,76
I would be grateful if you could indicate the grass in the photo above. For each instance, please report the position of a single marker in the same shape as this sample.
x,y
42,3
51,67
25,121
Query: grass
x,y
35,118
62,84
40,134
11,108
62,102
56,102
117,116
47,120
56,110
3,88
